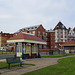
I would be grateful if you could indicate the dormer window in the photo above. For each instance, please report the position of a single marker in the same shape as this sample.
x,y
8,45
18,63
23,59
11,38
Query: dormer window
x,y
35,27
32,28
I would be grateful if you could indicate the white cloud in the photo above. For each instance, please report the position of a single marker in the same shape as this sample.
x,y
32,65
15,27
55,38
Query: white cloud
x,y
19,13
3,16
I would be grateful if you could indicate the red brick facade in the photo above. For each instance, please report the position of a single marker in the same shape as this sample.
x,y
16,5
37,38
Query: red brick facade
x,y
39,32
3,38
50,39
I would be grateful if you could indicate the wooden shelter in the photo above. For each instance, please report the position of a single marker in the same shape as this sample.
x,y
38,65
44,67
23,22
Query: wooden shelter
x,y
27,45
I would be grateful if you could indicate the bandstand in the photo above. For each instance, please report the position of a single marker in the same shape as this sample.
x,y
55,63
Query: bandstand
x,y
27,45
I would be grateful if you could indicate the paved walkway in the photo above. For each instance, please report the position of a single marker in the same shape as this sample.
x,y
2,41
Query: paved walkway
x,y
39,63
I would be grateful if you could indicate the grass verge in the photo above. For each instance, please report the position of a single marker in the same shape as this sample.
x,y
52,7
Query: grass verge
x,y
6,52
5,65
65,66
56,55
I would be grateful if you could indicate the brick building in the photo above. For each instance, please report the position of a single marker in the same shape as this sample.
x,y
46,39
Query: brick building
x,y
53,37
50,39
3,38
37,30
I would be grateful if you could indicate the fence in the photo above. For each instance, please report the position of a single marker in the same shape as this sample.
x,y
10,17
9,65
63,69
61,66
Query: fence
x,y
50,52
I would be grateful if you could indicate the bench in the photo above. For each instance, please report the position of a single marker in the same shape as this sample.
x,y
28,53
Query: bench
x,y
27,55
13,60
34,56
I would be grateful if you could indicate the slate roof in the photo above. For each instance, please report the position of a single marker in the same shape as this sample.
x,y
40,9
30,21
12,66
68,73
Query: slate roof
x,y
68,43
49,30
60,26
30,28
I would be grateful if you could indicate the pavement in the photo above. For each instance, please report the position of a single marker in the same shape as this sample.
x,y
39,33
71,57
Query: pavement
x,y
39,63
4,56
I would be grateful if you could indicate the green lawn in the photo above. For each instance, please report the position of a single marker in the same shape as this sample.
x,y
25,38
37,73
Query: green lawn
x,y
56,55
6,52
5,65
65,66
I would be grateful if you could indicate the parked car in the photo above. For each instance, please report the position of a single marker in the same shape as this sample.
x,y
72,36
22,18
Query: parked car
x,y
3,49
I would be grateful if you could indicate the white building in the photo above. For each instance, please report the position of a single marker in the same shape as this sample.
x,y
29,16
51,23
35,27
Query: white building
x,y
61,33
71,34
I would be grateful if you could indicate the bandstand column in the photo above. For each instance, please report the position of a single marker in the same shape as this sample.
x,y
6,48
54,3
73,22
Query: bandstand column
x,y
16,49
23,57
31,49
38,52
25,47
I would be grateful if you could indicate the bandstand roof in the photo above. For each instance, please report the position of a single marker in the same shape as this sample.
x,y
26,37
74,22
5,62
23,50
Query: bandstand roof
x,y
25,37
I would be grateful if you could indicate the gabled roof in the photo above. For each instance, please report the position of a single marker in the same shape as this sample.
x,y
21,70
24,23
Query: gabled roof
x,y
60,26
68,43
30,28
23,37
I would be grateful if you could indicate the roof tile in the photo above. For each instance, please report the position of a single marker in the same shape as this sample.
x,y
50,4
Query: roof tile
x,y
27,37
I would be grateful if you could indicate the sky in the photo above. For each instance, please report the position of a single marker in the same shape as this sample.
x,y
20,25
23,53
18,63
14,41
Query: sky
x,y
17,14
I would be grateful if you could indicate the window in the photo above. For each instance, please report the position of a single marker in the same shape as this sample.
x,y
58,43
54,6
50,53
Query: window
x,y
51,46
44,38
28,28
33,32
38,32
51,43
5,34
51,38
40,47
51,34
35,27
61,36
46,34
44,46
40,37
43,33
32,28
